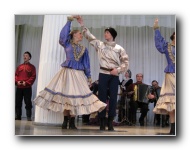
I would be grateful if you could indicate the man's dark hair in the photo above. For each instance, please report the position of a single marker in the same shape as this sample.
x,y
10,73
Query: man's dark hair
x,y
28,54
155,81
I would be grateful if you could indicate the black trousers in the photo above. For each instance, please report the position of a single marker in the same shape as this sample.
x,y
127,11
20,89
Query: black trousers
x,y
134,105
123,108
108,83
25,93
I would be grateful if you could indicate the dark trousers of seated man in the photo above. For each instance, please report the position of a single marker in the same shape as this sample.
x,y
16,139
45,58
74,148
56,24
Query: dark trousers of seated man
x,y
106,82
26,94
134,105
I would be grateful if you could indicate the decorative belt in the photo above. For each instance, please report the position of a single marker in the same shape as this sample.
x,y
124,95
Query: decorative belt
x,y
106,69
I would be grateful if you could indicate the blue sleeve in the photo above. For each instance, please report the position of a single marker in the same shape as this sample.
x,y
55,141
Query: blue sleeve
x,y
65,37
86,63
160,42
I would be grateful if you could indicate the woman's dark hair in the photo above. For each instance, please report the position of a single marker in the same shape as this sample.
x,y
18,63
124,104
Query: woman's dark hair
x,y
172,36
129,72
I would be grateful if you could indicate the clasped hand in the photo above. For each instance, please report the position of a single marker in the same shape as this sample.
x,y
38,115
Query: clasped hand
x,y
79,19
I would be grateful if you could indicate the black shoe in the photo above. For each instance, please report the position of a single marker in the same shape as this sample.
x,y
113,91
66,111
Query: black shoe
x,y
72,123
18,118
141,123
110,124
29,119
29,114
172,130
65,122
163,125
102,123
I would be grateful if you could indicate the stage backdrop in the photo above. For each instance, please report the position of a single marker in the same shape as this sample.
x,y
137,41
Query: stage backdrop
x,y
135,34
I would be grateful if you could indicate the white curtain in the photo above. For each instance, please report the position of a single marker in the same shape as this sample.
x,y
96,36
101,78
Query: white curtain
x,y
135,34
51,56
28,35
97,21
30,20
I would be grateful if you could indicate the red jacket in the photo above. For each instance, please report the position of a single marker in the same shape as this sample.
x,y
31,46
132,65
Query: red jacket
x,y
25,72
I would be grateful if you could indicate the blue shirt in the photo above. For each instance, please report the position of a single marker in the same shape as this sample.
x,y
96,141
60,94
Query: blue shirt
x,y
83,62
162,47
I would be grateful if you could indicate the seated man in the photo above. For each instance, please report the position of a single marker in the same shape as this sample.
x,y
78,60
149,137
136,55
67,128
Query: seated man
x,y
153,96
135,102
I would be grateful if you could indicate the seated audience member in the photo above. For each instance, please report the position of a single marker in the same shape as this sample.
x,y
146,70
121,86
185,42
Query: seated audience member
x,y
153,96
134,102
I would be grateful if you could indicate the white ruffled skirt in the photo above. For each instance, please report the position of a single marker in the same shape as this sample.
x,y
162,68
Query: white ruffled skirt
x,y
69,90
167,100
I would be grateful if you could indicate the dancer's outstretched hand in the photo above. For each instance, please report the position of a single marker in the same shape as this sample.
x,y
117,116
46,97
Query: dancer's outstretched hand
x,y
156,24
80,20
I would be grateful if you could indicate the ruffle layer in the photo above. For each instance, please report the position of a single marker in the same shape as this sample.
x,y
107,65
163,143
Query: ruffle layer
x,y
69,90
165,104
77,106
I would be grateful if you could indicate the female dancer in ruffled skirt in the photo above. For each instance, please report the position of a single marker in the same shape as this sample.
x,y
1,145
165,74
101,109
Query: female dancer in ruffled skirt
x,y
69,91
166,103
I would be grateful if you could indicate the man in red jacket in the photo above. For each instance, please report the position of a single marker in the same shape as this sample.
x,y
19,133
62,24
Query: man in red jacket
x,y
25,76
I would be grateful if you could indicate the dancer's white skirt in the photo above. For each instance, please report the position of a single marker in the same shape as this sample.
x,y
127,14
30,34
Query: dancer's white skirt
x,y
69,90
167,100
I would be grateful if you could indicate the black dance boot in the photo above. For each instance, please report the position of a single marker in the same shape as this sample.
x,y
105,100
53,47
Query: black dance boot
x,y
29,114
72,123
64,125
102,123
163,120
110,123
157,116
172,130
18,113
167,120
141,120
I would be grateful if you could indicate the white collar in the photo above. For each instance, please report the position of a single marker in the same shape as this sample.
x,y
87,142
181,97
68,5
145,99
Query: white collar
x,y
112,43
